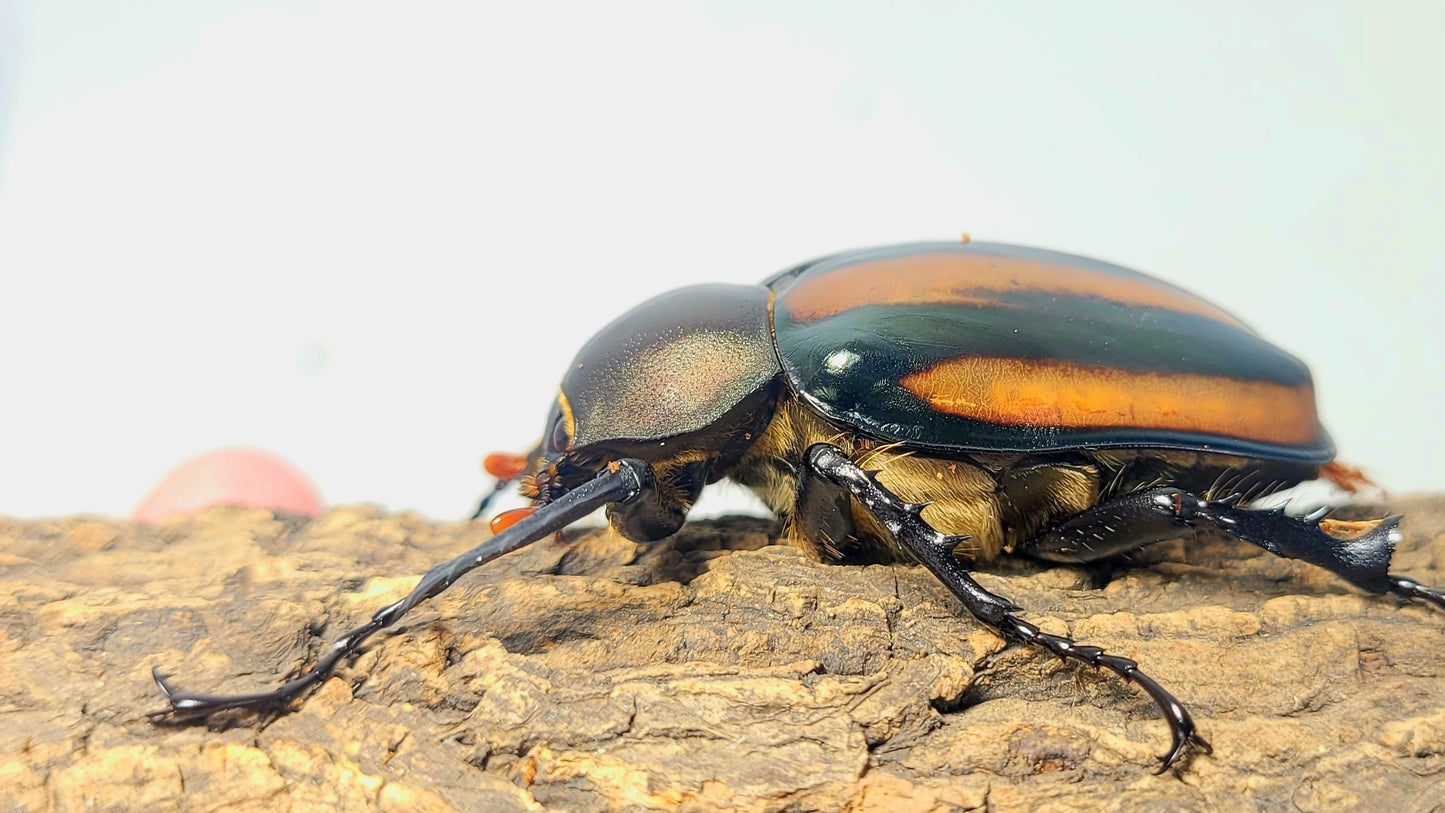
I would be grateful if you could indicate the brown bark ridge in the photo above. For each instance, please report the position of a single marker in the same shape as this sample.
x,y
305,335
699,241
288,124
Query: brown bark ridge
x,y
713,671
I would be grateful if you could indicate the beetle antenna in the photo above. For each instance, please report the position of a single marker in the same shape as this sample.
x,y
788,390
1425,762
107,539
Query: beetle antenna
x,y
497,488
506,468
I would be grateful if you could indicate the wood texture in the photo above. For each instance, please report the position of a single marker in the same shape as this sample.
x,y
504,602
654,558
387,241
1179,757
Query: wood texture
x,y
711,671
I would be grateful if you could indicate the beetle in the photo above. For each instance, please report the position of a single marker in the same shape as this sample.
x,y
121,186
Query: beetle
x,y
938,403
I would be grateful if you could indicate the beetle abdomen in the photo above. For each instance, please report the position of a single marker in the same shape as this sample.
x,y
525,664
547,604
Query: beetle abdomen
x,y
994,347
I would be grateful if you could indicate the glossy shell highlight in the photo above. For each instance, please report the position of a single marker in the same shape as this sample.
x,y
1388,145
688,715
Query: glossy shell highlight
x,y
992,347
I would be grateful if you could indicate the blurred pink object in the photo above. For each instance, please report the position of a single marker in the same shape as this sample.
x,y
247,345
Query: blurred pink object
x,y
234,477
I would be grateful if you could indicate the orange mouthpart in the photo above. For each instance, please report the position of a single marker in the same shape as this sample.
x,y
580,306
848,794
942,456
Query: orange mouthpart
x,y
505,466
507,519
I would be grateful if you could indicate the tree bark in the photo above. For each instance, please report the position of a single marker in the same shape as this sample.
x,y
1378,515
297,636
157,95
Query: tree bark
x,y
711,671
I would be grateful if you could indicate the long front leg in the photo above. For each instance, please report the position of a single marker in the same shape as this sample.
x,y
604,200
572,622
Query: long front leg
x,y
620,482
935,551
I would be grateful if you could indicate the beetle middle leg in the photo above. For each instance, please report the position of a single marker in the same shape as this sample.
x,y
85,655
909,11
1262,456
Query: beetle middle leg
x,y
1133,521
935,550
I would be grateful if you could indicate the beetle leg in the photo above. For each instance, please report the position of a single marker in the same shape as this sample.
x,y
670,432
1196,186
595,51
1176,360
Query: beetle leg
x,y
935,551
619,482
1409,588
660,511
822,519
1136,520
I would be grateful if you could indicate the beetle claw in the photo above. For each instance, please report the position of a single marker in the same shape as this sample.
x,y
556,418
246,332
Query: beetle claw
x,y
1182,741
163,684
176,705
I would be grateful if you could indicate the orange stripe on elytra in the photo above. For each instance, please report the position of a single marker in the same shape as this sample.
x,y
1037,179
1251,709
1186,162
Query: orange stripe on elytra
x,y
979,280
1018,392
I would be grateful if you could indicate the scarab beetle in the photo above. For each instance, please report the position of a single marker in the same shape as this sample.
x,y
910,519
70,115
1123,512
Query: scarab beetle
x,y
942,403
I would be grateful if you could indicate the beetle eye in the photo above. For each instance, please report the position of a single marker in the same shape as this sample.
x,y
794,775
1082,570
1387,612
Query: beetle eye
x,y
558,439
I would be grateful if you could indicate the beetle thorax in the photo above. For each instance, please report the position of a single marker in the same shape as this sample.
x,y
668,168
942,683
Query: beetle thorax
x,y
672,366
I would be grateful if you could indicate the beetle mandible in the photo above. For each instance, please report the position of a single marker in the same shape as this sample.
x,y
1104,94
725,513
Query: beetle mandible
x,y
941,403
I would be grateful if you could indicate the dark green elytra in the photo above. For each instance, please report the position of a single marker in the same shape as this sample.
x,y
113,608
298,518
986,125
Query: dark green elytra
x,y
985,346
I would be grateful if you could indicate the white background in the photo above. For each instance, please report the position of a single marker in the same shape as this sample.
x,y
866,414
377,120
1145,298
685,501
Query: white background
x,y
369,236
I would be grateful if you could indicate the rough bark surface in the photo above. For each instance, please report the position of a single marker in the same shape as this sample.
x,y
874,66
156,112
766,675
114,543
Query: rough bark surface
x,y
712,671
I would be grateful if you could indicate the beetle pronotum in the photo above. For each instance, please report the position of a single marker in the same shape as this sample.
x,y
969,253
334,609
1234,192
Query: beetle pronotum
x,y
1005,399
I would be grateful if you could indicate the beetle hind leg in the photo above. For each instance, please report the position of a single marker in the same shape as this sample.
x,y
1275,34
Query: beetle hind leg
x,y
935,550
1358,552
1409,588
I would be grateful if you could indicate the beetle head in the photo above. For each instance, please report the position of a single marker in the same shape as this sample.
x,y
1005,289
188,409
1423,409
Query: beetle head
x,y
686,376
